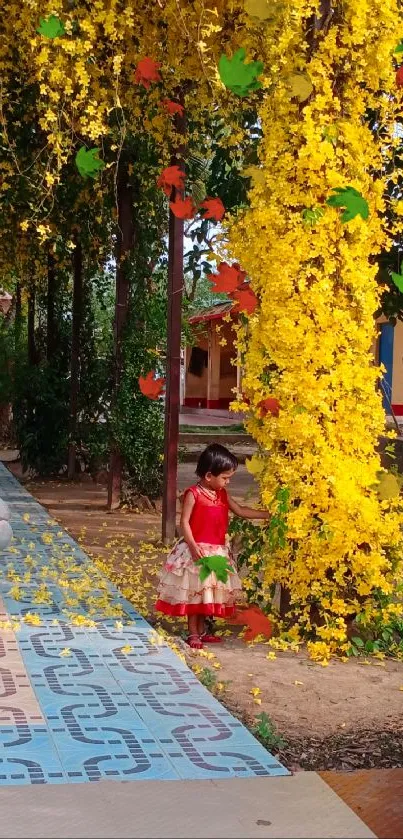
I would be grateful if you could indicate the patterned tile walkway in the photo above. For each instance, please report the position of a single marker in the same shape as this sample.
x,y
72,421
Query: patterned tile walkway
x,y
109,701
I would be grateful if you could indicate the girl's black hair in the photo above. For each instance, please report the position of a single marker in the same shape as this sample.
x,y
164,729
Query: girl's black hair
x,y
216,459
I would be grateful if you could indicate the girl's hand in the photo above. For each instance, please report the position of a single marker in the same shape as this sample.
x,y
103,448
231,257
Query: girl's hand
x,y
196,551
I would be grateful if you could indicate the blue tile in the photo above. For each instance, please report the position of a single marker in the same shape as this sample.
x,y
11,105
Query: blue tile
x,y
108,714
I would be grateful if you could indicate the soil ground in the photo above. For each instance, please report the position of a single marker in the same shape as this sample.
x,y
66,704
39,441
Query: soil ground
x,y
344,716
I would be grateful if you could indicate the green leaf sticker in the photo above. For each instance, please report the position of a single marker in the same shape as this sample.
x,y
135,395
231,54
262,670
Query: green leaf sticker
x,y
331,134
310,216
399,47
51,27
398,280
218,564
351,200
88,162
239,77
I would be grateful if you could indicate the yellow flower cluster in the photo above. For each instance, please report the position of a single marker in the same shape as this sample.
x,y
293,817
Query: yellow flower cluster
x,y
310,343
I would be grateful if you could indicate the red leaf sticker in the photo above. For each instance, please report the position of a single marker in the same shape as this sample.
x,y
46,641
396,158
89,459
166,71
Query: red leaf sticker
x,y
147,71
256,621
399,76
228,277
246,299
269,406
172,108
171,176
183,207
214,208
150,386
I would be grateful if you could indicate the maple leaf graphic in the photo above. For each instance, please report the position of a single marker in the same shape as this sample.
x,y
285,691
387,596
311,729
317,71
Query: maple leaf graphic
x,y
246,299
147,71
183,207
172,108
151,387
170,177
214,208
269,406
229,277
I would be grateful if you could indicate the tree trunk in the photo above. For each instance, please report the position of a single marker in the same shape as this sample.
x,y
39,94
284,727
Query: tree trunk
x,y
75,355
174,331
31,327
51,321
124,244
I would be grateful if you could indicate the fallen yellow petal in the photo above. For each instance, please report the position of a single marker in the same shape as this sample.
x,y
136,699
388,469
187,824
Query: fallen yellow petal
x,y
297,682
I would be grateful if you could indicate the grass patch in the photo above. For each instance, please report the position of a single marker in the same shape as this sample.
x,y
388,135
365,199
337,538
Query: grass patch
x,y
213,429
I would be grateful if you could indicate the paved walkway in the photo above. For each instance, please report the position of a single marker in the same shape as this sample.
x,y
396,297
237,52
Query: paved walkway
x,y
108,701
89,694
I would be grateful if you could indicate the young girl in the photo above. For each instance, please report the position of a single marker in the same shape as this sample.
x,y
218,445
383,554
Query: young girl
x,y
204,525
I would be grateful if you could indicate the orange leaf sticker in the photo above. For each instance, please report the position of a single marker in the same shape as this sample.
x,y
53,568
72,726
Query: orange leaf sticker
x,y
150,386
228,277
147,71
246,299
183,207
214,208
256,621
172,176
172,108
269,406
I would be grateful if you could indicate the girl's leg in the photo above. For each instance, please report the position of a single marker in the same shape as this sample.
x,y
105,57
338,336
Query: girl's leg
x,y
193,631
201,624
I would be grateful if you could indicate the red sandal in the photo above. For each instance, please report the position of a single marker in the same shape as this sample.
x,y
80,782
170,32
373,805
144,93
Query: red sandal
x,y
210,639
195,642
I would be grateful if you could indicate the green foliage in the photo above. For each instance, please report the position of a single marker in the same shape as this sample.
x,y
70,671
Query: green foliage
x,y
137,422
41,418
265,730
380,636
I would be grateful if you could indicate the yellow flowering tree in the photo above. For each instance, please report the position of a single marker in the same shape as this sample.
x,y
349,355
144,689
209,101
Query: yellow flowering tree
x,y
309,345
308,241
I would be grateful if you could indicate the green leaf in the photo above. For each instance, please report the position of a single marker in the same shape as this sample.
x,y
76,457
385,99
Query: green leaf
x,y
311,216
399,47
353,202
218,564
358,642
398,280
237,76
51,27
88,162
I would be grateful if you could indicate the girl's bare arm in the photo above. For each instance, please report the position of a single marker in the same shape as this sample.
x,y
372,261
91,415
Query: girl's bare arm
x,y
247,512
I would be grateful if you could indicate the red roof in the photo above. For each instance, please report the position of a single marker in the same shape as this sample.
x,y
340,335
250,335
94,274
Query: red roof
x,y
216,312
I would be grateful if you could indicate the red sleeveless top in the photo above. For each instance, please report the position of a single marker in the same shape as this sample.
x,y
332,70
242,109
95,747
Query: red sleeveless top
x,y
209,517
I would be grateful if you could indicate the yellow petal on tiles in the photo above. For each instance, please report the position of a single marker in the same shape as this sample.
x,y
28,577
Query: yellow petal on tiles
x,y
118,626
65,652
126,649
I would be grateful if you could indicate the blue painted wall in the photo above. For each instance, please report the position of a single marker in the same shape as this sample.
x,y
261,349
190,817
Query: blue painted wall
x,y
386,358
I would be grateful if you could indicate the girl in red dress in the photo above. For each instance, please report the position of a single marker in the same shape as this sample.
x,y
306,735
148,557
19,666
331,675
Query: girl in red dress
x,y
204,525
